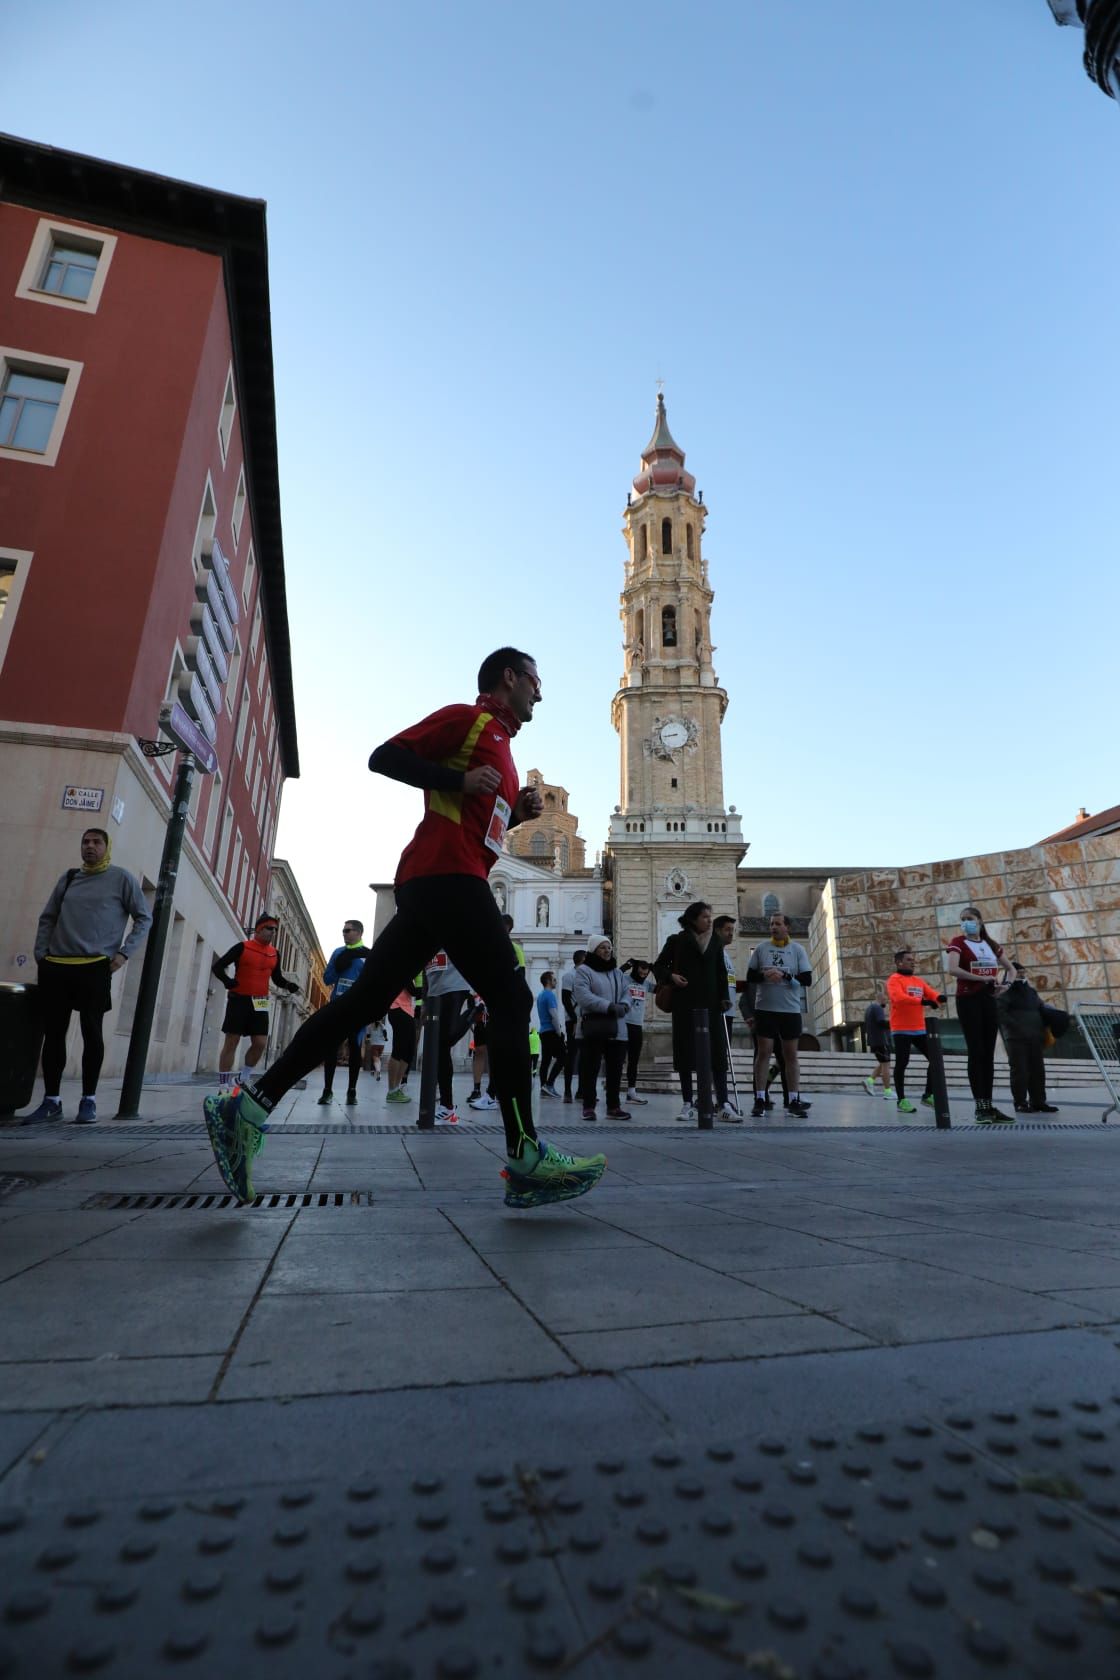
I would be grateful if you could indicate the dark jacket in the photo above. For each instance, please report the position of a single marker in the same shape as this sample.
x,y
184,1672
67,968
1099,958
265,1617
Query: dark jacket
x,y
706,973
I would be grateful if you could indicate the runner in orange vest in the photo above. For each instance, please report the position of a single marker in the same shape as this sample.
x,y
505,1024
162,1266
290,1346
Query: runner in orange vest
x,y
256,966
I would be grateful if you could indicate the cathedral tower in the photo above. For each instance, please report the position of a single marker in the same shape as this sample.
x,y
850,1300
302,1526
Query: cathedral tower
x,y
671,838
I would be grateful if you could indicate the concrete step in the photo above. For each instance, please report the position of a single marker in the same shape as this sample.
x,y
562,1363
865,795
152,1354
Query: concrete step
x,y
835,1071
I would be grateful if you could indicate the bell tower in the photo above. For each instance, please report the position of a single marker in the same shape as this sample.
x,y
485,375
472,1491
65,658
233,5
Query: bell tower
x,y
671,838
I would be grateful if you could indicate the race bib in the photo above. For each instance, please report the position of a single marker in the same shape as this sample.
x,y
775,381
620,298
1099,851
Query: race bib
x,y
260,1003
914,991
437,963
342,985
499,822
983,971
637,993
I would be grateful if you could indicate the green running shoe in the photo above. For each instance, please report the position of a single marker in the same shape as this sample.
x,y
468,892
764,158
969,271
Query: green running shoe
x,y
237,1127
929,1102
556,1177
988,1115
869,1086
905,1106
400,1095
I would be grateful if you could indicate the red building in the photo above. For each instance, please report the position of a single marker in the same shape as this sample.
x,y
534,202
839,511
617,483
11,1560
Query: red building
x,y
137,454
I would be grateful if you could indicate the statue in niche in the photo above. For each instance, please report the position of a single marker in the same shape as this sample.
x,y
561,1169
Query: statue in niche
x,y
542,911
500,895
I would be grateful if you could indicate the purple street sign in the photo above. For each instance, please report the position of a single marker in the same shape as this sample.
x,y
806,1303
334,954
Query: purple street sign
x,y
187,735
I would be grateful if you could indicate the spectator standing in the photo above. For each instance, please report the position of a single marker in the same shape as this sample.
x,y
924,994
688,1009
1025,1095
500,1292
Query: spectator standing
x,y
910,997
776,973
551,1033
639,990
1022,1026
877,1026
692,963
376,1040
256,966
341,971
981,972
602,998
80,944
567,1001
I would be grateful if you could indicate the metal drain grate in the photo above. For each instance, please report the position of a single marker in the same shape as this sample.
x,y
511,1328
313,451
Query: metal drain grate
x,y
201,1202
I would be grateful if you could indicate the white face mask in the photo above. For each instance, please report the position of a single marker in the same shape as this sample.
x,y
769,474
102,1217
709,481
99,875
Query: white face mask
x,y
969,928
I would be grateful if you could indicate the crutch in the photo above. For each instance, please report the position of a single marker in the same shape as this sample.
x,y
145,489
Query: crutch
x,y
731,1064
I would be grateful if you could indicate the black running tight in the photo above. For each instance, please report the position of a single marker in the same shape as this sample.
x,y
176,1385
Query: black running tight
x,y
456,914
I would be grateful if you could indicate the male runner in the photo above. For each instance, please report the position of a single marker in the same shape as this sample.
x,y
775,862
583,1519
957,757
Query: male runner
x,y
909,998
776,972
567,1000
256,963
342,970
460,756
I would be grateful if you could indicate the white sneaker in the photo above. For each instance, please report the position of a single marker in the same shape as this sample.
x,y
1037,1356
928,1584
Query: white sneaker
x,y
547,1091
482,1102
730,1112
888,1095
446,1116
633,1097
688,1112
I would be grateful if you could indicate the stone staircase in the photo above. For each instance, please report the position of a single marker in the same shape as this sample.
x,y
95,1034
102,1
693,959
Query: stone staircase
x,y
842,1071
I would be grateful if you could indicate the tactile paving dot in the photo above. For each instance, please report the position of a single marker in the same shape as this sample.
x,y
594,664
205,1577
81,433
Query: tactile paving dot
x,y
894,1550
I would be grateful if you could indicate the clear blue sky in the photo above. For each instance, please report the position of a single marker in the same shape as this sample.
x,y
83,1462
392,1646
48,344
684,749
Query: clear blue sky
x,y
871,249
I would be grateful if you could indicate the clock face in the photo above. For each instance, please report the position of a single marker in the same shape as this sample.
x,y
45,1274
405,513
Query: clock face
x,y
673,734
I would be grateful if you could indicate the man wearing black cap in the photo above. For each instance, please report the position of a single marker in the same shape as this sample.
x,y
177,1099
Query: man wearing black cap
x,y
256,967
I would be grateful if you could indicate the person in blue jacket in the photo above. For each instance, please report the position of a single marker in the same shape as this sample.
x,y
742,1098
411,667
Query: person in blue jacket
x,y
340,974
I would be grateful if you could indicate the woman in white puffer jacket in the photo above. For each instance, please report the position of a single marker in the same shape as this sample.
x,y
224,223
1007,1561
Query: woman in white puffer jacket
x,y
601,994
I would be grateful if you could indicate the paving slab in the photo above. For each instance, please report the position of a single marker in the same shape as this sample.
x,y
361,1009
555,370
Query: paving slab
x,y
339,1343
708,1340
326,1263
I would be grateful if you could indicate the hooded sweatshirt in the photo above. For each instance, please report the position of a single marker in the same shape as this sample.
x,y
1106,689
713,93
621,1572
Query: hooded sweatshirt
x,y
85,917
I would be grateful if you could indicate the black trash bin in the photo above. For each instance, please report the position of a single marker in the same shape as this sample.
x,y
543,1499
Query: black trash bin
x,y
21,1041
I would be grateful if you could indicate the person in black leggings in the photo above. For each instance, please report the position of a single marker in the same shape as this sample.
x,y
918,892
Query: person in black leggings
x,y
461,757
982,972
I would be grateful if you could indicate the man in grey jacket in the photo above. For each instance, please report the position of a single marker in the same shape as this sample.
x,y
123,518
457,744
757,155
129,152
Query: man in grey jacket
x,y
79,946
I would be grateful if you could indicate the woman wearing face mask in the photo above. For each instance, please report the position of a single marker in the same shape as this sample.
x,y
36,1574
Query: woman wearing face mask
x,y
979,967
692,963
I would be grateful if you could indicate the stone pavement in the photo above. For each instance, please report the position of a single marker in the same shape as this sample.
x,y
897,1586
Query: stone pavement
x,y
829,1399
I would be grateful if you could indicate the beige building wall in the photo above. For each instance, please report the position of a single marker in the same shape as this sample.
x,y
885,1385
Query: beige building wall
x,y
552,838
1055,907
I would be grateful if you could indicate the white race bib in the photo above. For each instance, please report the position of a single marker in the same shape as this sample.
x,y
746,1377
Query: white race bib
x,y
499,822
260,1003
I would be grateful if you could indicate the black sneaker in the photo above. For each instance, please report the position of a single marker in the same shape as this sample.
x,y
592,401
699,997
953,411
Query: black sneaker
x,y
768,1105
1023,1108
1047,1108
800,1110
351,1098
327,1097
759,1109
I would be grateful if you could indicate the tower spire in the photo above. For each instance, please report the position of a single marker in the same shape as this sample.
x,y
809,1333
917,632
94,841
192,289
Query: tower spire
x,y
663,465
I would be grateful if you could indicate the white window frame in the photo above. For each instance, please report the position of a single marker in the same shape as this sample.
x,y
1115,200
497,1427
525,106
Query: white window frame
x,y
30,361
237,512
234,674
252,749
207,523
227,414
243,718
43,239
255,632
223,843
213,809
235,867
248,579
21,559
262,672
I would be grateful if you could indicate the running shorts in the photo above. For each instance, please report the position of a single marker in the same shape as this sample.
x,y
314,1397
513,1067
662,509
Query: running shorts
x,y
244,1018
777,1023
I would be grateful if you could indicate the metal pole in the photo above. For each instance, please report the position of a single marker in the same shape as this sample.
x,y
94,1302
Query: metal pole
x,y
136,1064
731,1064
702,1047
429,1066
937,1074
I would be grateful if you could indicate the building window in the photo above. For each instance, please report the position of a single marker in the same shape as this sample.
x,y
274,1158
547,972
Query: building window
x,y
234,674
225,417
643,542
212,810
14,566
204,530
66,267
223,844
238,513
28,409
666,536
771,904
668,627
255,634
243,718
250,574
262,672
688,540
